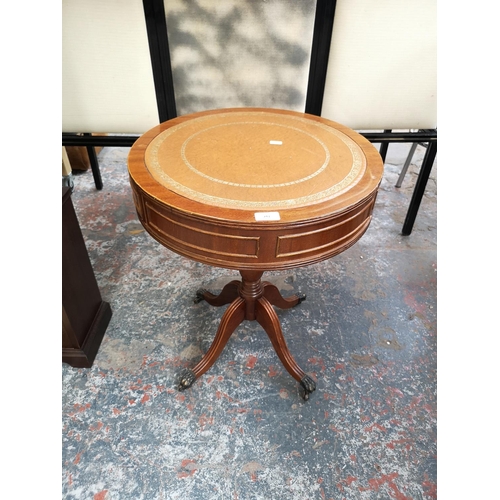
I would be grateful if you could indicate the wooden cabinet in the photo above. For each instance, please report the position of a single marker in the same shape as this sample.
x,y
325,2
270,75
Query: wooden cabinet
x,y
85,316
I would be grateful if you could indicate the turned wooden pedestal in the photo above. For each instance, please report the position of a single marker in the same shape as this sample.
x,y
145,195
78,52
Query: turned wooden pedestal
x,y
253,189
250,299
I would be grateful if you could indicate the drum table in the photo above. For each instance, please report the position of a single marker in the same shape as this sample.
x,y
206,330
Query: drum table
x,y
254,190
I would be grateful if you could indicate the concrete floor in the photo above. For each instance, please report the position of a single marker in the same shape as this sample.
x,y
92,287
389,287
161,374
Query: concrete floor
x,y
366,334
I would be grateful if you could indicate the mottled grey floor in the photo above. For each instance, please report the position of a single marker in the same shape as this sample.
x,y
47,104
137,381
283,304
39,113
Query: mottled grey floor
x,y
366,334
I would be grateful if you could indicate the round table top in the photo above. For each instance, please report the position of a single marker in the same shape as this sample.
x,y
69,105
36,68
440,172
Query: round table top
x,y
255,165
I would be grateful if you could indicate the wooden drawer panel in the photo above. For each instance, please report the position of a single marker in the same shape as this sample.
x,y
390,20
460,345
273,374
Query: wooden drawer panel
x,y
198,240
323,239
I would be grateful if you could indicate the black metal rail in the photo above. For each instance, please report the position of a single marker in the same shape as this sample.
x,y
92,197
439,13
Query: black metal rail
x,y
156,27
127,140
320,51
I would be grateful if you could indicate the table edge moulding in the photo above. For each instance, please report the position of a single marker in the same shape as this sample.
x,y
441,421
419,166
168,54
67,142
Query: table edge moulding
x,y
253,189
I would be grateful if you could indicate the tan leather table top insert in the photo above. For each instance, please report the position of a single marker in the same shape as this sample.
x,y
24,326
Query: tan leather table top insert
x,y
255,160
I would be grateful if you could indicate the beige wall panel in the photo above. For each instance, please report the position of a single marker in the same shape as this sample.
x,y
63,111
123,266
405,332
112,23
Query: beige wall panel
x,y
107,80
382,66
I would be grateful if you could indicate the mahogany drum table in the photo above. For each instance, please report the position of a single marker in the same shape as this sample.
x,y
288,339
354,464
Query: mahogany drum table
x,y
253,189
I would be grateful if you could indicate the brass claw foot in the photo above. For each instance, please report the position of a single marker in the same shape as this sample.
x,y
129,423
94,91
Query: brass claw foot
x,y
301,297
308,385
200,295
186,379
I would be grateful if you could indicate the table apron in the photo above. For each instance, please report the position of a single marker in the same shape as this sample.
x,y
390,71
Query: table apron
x,y
257,247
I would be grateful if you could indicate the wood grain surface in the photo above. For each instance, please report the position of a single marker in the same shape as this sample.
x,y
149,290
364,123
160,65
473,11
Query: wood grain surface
x,y
252,188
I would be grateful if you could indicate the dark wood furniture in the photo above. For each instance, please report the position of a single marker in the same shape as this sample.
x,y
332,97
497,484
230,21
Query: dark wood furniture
x,y
85,316
254,190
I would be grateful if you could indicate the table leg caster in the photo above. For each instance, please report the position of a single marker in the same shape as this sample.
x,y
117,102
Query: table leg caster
x,y
200,295
186,379
308,386
301,297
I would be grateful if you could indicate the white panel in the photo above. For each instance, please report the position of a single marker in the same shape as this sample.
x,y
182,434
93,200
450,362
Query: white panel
x,y
107,80
382,66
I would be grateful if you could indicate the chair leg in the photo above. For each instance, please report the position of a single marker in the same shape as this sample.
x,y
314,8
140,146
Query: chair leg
x,y
383,148
407,164
94,164
418,192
